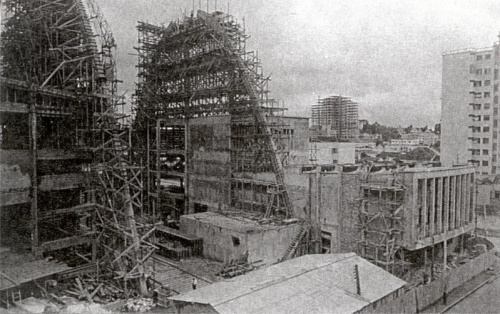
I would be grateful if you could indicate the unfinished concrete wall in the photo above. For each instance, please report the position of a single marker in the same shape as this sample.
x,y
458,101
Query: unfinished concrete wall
x,y
208,168
440,204
349,234
226,239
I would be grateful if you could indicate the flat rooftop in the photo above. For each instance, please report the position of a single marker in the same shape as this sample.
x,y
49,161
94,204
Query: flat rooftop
x,y
234,222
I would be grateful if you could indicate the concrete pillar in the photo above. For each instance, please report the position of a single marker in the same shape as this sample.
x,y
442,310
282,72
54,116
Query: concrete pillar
x,y
414,212
446,211
33,169
432,207
458,193
453,203
463,215
467,198
439,210
424,208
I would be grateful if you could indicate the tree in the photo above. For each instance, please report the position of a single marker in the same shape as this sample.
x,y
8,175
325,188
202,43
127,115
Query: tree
x,y
437,128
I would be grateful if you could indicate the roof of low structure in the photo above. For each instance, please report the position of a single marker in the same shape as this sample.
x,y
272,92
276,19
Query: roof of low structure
x,y
234,223
310,283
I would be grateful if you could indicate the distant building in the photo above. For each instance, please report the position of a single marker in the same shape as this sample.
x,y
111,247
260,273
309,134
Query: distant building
x,y
425,138
402,146
336,117
469,128
332,153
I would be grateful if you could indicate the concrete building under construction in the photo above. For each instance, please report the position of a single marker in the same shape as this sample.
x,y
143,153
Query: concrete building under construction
x,y
69,186
210,166
336,117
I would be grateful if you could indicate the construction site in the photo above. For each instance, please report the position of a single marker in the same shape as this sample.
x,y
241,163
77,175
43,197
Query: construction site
x,y
204,184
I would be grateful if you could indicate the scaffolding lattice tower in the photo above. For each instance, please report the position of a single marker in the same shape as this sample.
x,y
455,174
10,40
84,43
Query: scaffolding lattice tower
x,y
57,58
199,67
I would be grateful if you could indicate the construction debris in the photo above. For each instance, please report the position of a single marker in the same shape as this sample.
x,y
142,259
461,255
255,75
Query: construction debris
x,y
239,268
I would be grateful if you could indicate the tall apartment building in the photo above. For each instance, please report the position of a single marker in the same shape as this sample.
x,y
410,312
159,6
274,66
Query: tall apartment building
x,y
336,117
469,127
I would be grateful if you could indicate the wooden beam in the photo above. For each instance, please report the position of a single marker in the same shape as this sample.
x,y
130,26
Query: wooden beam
x,y
78,209
13,107
65,242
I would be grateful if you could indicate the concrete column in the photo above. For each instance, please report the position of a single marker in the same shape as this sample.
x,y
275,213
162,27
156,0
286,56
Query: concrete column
x,y
432,207
439,226
453,203
463,215
458,194
467,198
446,209
33,175
414,212
424,209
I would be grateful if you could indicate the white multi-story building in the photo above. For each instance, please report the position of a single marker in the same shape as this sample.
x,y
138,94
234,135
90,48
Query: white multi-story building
x,y
469,128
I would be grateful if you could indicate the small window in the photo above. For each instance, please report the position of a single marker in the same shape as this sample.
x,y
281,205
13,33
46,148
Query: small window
x,y
486,129
485,152
486,94
487,83
495,87
497,194
487,57
477,83
486,106
495,111
486,117
236,241
335,150
485,163
495,100
479,58
479,72
486,140
487,71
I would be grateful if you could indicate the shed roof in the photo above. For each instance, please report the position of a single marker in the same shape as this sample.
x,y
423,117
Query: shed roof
x,y
310,283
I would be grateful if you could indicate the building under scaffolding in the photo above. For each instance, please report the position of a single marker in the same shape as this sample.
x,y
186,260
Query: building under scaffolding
x,y
414,211
208,135
69,187
335,117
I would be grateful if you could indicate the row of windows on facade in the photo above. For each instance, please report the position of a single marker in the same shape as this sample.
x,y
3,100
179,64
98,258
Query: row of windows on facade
x,y
486,57
486,106
477,140
486,95
485,71
486,83
478,118
486,152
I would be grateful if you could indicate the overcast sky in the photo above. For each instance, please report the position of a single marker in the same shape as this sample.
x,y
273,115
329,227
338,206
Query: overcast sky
x,y
384,54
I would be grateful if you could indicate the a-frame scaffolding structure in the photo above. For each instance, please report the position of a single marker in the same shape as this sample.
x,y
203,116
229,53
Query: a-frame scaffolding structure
x,y
199,67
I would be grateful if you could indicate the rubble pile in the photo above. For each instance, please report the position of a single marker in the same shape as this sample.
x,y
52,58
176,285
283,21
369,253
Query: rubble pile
x,y
138,305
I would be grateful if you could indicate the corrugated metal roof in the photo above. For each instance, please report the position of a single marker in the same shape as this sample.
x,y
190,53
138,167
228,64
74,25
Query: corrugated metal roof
x,y
310,283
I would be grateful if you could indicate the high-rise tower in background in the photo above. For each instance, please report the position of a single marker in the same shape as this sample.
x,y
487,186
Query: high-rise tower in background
x,y
337,117
469,127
